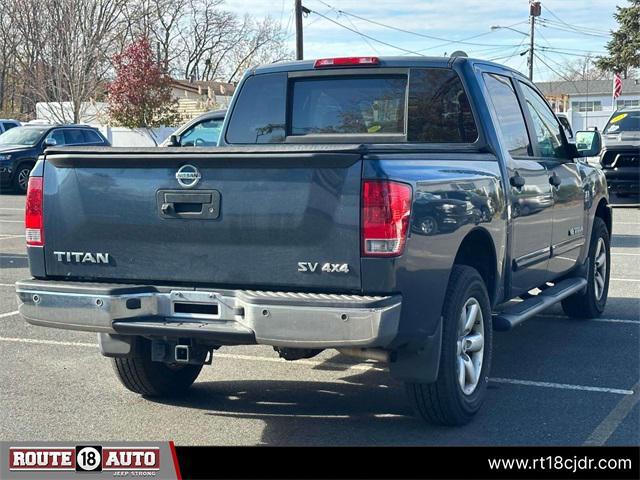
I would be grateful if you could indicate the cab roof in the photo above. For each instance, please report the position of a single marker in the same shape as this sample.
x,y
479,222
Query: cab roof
x,y
389,62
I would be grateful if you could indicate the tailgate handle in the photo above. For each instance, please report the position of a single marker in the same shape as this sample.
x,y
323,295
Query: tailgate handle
x,y
187,198
202,205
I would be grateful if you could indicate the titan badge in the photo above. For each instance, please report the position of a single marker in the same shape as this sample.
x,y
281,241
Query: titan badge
x,y
82,257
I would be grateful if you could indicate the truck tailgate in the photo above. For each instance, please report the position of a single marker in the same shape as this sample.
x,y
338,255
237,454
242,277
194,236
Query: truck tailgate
x,y
254,214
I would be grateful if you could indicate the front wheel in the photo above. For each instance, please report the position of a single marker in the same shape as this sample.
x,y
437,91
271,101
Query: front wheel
x,y
21,178
138,373
465,359
591,302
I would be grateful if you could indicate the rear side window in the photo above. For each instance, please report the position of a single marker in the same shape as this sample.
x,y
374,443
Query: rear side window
x,y
9,125
510,119
349,105
439,110
58,137
259,113
91,137
73,137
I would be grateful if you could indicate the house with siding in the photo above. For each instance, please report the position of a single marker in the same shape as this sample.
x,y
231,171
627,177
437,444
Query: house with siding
x,y
197,96
589,103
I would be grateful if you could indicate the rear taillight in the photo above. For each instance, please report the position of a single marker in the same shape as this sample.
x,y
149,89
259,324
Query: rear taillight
x,y
386,208
33,219
346,62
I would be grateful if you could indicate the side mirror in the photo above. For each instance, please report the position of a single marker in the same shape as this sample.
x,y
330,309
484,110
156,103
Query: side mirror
x,y
50,142
588,143
173,141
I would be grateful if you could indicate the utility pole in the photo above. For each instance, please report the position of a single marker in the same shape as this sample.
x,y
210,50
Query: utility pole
x,y
299,47
534,11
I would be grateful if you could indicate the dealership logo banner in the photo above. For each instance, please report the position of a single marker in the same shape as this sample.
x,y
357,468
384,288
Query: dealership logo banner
x,y
73,460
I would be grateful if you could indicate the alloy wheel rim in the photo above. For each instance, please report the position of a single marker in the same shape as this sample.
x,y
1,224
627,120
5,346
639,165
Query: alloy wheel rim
x,y
600,270
23,178
470,346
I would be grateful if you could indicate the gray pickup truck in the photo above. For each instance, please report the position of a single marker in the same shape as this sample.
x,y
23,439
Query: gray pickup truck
x,y
397,209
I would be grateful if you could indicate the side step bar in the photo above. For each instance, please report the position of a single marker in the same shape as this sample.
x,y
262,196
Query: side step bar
x,y
515,315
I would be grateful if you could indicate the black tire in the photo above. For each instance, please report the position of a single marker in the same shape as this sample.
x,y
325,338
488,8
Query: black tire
x,y
154,379
444,401
588,304
20,179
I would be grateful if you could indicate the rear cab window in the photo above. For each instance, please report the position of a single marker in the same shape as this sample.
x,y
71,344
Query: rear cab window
x,y
417,105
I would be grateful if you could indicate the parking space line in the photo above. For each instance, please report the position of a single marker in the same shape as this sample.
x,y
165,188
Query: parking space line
x,y
613,420
22,210
9,314
11,221
366,367
7,284
8,237
624,254
47,342
619,279
606,320
562,386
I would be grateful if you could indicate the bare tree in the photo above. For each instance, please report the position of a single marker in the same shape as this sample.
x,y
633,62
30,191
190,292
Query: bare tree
x,y
583,68
59,51
264,43
64,49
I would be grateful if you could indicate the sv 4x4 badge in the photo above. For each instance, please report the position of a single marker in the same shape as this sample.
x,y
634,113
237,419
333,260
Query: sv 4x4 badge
x,y
312,267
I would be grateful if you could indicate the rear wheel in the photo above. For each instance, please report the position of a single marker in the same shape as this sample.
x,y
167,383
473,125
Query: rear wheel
x,y
21,178
465,359
155,379
591,302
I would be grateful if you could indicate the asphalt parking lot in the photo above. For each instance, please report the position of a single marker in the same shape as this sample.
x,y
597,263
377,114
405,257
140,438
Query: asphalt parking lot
x,y
555,380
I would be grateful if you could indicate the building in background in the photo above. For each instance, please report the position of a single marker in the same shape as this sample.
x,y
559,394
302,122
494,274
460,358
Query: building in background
x,y
589,103
196,97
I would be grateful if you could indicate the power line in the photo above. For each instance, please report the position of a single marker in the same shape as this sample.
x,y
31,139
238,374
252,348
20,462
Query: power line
x,y
367,36
423,35
545,23
472,37
575,28
562,52
513,53
571,25
364,38
564,77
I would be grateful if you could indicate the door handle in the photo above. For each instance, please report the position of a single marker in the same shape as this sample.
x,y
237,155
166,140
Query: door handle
x,y
555,180
517,181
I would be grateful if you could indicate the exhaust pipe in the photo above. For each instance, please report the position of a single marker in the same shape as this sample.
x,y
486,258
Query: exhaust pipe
x,y
366,353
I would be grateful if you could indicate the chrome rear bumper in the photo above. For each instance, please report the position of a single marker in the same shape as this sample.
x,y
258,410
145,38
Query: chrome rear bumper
x,y
304,320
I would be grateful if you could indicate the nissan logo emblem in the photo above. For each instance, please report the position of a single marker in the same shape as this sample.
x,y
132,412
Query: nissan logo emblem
x,y
188,176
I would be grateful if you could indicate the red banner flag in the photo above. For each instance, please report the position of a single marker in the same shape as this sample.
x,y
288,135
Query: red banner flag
x,y
617,85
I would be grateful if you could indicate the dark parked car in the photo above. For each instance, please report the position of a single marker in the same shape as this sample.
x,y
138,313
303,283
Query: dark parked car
x,y
21,146
361,204
7,124
620,157
202,131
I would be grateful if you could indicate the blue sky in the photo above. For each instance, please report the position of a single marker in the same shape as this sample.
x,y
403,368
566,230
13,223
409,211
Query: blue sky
x,y
449,20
